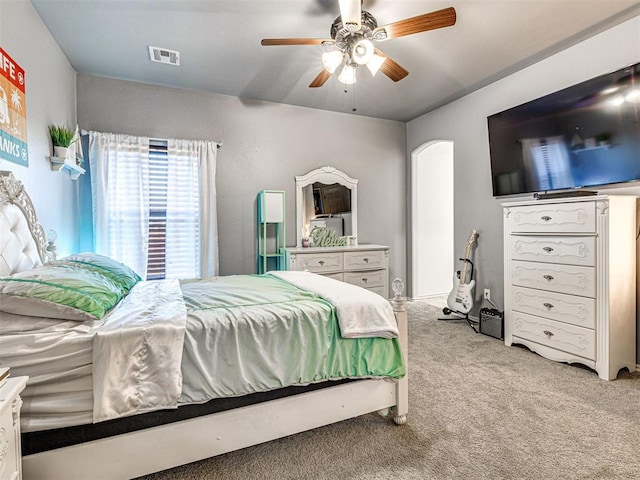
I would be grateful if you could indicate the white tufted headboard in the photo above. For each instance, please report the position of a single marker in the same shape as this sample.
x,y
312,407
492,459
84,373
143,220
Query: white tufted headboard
x,y
22,239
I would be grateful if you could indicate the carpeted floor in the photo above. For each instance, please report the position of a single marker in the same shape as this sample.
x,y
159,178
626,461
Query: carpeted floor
x,y
477,410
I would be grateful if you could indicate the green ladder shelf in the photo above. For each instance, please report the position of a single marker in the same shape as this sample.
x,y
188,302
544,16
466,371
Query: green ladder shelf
x,y
271,231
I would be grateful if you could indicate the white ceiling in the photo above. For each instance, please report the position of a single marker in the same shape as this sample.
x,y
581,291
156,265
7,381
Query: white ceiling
x,y
219,44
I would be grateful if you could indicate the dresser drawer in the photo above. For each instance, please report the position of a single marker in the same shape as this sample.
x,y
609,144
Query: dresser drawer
x,y
568,250
580,311
554,218
561,336
363,260
570,279
321,262
366,279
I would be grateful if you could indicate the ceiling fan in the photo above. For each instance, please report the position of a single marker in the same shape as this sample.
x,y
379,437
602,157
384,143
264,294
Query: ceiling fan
x,y
353,34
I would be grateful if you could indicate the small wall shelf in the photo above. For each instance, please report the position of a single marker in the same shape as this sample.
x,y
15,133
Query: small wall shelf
x,y
59,164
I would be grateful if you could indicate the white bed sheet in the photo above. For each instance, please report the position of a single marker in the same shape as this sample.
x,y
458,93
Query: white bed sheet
x,y
57,355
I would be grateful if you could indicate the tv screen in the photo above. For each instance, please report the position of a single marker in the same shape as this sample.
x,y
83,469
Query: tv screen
x,y
583,136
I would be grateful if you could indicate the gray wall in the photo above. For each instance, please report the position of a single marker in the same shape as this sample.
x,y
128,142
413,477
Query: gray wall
x,y
50,99
265,146
465,122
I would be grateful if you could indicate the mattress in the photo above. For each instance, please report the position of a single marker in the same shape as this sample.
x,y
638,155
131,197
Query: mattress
x,y
266,334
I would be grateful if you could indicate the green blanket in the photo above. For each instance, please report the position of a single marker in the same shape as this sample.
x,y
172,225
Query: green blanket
x,y
252,333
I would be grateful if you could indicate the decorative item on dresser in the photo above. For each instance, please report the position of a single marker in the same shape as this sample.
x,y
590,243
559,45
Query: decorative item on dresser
x,y
10,451
570,280
363,265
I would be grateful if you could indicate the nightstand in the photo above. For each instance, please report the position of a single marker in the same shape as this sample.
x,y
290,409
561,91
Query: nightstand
x,y
10,451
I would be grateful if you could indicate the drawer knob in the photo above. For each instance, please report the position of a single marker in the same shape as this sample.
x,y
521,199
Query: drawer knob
x,y
364,280
321,262
548,249
548,305
366,259
548,278
548,333
545,218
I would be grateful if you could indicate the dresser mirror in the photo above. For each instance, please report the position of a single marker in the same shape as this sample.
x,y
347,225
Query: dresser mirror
x,y
326,197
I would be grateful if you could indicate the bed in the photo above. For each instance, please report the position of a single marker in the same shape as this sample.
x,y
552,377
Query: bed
x,y
80,421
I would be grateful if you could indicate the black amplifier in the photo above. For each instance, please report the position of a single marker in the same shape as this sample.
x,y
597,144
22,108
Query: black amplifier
x,y
492,322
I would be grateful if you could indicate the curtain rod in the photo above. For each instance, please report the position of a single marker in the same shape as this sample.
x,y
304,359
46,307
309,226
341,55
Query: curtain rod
x,y
218,144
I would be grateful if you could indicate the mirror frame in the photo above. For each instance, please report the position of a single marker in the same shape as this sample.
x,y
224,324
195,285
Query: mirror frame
x,y
327,175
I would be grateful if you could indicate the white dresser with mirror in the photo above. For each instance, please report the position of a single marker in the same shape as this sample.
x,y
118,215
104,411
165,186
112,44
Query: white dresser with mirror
x,y
363,265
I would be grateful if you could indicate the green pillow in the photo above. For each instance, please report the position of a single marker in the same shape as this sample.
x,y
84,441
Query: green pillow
x,y
59,291
115,271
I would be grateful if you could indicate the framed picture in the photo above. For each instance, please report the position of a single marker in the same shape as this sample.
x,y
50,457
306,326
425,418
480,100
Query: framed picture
x,y
13,111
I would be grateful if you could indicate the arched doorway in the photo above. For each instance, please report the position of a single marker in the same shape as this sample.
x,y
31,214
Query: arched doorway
x,y
432,219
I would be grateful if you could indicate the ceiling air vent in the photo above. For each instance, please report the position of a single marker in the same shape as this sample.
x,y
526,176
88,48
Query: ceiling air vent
x,y
164,55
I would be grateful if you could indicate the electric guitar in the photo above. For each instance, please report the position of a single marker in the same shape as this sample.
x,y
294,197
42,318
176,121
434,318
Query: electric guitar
x,y
461,297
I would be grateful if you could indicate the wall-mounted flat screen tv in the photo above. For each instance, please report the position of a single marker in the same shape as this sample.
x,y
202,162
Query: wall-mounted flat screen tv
x,y
586,135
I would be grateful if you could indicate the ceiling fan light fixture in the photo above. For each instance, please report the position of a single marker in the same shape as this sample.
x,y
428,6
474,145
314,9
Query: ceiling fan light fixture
x,y
332,60
348,75
362,51
375,63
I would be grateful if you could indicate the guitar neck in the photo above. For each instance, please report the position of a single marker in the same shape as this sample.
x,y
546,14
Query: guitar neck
x,y
463,272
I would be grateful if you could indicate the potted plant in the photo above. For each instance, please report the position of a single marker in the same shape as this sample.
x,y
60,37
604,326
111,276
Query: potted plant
x,y
62,138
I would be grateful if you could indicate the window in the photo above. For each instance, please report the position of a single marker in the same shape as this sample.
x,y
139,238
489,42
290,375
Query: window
x,y
154,204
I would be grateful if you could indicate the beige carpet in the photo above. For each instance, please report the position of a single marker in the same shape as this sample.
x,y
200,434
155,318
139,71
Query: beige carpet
x,y
477,410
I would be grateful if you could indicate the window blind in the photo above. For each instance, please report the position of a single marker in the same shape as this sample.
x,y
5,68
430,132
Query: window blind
x,y
174,214
158,172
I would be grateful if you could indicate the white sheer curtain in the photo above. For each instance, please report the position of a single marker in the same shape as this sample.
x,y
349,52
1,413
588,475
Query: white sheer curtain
x,y
119,167
192,227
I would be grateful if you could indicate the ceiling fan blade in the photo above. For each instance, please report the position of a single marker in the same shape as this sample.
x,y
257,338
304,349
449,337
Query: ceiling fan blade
x,y
391,68
320,80
294,41
351,13
422,23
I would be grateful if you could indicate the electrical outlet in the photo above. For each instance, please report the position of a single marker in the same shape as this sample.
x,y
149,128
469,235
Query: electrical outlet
x,y
487,294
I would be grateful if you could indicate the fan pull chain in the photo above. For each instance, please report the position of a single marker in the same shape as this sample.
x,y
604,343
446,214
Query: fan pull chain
x,y
353,97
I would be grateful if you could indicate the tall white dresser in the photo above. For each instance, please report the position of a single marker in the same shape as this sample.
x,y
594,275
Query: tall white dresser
x,y
570,280
363,265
